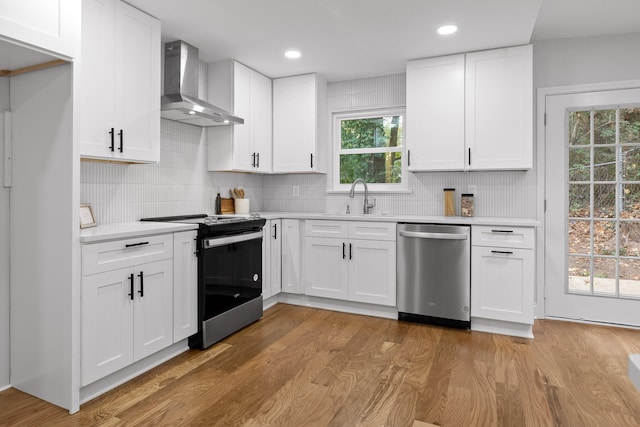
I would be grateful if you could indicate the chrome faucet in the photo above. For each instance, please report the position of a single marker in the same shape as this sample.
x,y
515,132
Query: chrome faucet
x,y
367,206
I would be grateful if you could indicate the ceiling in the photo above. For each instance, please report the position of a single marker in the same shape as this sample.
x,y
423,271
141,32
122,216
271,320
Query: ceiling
x,y
346,39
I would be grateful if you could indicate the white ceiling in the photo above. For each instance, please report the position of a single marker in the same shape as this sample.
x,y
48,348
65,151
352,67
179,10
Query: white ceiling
x,y
345,39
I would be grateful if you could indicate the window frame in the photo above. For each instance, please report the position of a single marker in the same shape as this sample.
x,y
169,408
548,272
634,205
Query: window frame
x,y
337,150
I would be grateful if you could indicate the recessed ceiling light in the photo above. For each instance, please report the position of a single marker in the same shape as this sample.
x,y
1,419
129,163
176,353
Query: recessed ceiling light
x,y
192,112
445,30
292,54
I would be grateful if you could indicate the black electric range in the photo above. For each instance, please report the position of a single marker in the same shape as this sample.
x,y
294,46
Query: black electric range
x,y
229,250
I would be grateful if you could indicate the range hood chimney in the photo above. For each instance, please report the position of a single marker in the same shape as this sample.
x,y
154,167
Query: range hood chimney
x,y
180,102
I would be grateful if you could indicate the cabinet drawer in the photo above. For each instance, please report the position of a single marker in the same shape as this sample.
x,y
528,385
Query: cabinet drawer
x,y
372,230
100,257
322,228
503,237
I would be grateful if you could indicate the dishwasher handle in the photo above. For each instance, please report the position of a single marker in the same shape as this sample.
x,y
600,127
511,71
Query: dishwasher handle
x,y
435,236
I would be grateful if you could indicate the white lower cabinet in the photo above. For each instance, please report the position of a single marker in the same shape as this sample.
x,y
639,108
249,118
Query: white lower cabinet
x,y
127,314
502,280
185,285
354,261
272,258
139,296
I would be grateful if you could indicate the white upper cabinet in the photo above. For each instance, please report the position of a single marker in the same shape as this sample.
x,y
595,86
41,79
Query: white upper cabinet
x,y
119,83
435,113
471,112
300,124
51,26
248,94
499,109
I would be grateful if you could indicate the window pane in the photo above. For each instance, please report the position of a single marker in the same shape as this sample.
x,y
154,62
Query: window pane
x,y
604,164
371,132
604,127
630,125
381,168
579,195
579,128
579,163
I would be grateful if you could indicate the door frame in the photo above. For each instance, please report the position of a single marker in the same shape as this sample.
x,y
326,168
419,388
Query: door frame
x,y
542,94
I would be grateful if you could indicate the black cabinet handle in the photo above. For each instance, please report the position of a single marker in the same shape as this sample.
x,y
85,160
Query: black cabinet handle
x,y
502,231
257,160
112,133
344,245
275,231
141,291
131,286
408,157
253,160
350,251
121,135
469,156
502,252
311,160
130,245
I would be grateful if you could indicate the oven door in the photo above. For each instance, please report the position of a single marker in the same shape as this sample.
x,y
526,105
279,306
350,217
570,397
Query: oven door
x,y
232,272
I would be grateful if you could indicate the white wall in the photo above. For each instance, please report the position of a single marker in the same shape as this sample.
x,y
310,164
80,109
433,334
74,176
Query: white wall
x,y
4,247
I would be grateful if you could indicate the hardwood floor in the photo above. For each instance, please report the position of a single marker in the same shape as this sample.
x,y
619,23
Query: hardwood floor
x,y
305,367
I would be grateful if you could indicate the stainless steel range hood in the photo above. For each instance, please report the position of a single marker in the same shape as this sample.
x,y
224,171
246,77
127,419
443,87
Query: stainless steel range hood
x,y
180,102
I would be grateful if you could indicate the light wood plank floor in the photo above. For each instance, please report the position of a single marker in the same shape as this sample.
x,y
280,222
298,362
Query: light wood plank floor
x,y
305,367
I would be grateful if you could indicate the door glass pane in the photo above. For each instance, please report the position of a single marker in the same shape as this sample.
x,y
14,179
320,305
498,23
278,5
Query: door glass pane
x,y
579,274
579,164
630,125
580,128
604,164
604,200
580,237
579,200
630,277
604,127
631,163
604,237
604,276
629,238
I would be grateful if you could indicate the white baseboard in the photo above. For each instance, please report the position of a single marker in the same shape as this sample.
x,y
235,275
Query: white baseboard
x,y
634,370
5,387
522,330
336,305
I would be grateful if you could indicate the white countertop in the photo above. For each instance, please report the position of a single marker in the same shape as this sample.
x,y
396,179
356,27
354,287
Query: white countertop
x,y
125,230
523,222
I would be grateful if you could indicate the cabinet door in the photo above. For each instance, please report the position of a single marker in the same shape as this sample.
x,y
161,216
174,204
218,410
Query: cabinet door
x,y
262,119
137,83
153,310
185,285
243,158
275,257
294,123
266,260
107,324
499,103
326,267
50,25
291,256
372,271
97,79
435,114
502,284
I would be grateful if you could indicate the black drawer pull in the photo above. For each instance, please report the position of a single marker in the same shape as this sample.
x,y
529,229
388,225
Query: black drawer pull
x,y
502,231
130,245
502,252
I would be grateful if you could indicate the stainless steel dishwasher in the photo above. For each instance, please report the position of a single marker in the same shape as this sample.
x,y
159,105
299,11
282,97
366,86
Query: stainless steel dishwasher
x,y
433,274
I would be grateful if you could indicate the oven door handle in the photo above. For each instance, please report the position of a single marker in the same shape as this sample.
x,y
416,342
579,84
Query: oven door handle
x,y
215,242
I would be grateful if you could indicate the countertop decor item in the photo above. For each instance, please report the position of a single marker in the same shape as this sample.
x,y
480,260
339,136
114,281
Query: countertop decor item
x,y
466,204
449,203
87,219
